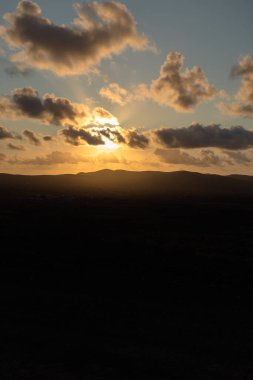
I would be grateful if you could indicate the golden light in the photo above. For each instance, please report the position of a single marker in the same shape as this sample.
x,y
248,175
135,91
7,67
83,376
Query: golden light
x,y
109,144
112,121
105,124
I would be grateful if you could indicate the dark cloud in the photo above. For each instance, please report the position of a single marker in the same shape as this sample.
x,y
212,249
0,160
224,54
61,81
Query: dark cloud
x,y
99,31
242,104
77,136
199,136
100,135
26,103
112,134
48,138
137,140
32,137
182,91
15,147
82,125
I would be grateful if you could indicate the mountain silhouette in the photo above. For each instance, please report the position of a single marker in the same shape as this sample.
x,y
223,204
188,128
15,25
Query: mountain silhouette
x,y
127,183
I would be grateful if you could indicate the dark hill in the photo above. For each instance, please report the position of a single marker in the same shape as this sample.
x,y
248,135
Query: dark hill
x,y
124,183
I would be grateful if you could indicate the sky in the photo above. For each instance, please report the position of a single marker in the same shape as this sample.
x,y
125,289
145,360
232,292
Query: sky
x,y
135,85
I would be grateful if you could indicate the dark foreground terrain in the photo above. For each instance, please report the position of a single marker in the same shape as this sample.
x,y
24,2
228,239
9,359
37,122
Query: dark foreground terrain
x,y
118,275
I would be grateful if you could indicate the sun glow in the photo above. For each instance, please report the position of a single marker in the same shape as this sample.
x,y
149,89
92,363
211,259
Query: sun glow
x,y
106,133
105,125
108,144
112,121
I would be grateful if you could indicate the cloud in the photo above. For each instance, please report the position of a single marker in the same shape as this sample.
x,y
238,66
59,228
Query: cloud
x,y
32,138
48,138
182,91
242,104
115,94
75,136
53,158
15,147
137,140
243,67
26,103
119,95
81,125
239,157
99,31
204,158
5,134
199,136
15,70
96,135
60,158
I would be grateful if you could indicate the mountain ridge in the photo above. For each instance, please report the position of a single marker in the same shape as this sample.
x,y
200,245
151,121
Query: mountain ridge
x,y
120,182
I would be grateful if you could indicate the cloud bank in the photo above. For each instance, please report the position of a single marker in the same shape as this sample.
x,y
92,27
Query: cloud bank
x,y
199,136
204,158
53,158
96,135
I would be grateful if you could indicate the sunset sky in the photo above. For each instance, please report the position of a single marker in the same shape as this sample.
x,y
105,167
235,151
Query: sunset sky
x,y
136,85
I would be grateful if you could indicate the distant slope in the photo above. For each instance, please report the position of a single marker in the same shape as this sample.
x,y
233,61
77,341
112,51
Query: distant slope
x,y
124,183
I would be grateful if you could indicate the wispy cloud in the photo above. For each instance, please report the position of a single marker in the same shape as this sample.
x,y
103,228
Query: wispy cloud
x,y
119,95
204,158
53,158
16,147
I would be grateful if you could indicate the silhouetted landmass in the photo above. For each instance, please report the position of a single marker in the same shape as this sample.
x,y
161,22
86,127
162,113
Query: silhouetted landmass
x,y
127,184
124,275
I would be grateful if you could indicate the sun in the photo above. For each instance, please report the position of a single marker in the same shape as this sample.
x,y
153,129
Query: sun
x,y
106,128
108,144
